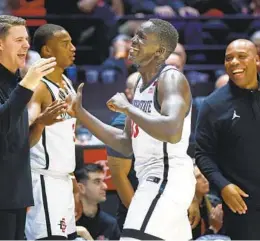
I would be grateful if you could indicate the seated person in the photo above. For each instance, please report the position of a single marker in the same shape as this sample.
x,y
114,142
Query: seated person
x,y
100,225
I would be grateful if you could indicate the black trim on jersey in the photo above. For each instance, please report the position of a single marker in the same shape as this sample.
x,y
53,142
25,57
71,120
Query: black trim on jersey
x,y
137,234
45,206
53,237
48,87
157,105
161,189
68,84
52,82
45,149
143,88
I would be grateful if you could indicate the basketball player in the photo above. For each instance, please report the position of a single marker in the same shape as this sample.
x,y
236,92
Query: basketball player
x,y
157,132
53,156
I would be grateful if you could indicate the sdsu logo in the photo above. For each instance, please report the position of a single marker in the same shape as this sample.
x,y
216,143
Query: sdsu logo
x,y
62,225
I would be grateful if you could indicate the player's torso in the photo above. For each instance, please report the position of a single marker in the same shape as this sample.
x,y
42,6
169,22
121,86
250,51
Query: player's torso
x,y
55,151
151,154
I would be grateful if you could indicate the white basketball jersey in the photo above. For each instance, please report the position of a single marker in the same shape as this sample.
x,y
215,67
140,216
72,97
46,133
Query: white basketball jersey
x,y
55,151
152,156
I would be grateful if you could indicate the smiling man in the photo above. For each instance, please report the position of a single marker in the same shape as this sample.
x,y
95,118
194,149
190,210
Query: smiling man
x,y
15,93
227,141
157,130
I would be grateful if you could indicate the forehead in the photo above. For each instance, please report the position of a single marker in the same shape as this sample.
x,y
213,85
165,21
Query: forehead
x,y
146,29
61,35
96,175
239,47
18,31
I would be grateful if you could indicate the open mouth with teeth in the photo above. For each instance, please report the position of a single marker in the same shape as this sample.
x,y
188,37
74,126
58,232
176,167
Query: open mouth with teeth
x,y
22,55
238,71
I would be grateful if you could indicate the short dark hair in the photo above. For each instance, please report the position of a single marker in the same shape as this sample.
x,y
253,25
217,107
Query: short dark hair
x,y
8,21
83,173
43,34
167,34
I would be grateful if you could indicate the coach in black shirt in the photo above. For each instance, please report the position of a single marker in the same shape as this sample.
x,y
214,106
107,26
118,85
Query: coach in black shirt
x,y
15,175
228,141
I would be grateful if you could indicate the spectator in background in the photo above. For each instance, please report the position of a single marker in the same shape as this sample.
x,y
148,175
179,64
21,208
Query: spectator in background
x,y
118,66
6,6
180,50
162,8
190,31
227,6
255,38
254,7
100,225
175,60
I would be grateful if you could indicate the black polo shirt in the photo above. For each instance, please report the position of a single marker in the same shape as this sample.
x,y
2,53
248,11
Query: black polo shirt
x,y
101,227
15,172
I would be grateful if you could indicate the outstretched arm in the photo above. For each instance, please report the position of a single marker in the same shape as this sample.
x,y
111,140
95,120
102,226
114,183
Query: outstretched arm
x,y
119,140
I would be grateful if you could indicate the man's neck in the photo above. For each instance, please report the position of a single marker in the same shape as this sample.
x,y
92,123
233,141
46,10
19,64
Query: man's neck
x,y
56,76
149,71
8,66
89,209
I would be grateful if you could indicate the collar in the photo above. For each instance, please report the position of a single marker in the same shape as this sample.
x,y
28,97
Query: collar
x,y
97,213
7,75
237,90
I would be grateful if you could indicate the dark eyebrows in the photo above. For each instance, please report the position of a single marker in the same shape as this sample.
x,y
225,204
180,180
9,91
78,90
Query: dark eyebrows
x,y
97,179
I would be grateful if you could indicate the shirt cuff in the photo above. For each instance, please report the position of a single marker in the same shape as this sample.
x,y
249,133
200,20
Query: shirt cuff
x,y
219,180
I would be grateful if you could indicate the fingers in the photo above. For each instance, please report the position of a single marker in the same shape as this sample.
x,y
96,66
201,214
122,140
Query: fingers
x,y
111,106
41,62
196,220
56,105
80,89
242,193
46,66
237,205
242,205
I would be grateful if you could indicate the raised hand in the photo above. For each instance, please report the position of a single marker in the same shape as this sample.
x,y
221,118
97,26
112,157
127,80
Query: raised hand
x,y
74,101
36,71
232,195
52,113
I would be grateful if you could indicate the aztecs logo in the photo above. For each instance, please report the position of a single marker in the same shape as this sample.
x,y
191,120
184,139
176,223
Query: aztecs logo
x,y
62,225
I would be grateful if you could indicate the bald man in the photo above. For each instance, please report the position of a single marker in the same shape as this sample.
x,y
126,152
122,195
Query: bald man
x,y
180,50
175,60
227,141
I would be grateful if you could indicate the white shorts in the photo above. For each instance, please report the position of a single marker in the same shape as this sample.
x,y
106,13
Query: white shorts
x,y
159,208
53,210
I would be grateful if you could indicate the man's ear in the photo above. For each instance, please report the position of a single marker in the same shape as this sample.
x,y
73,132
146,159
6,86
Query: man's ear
x,y
161,51
257,61
46,51
1,45
81,187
